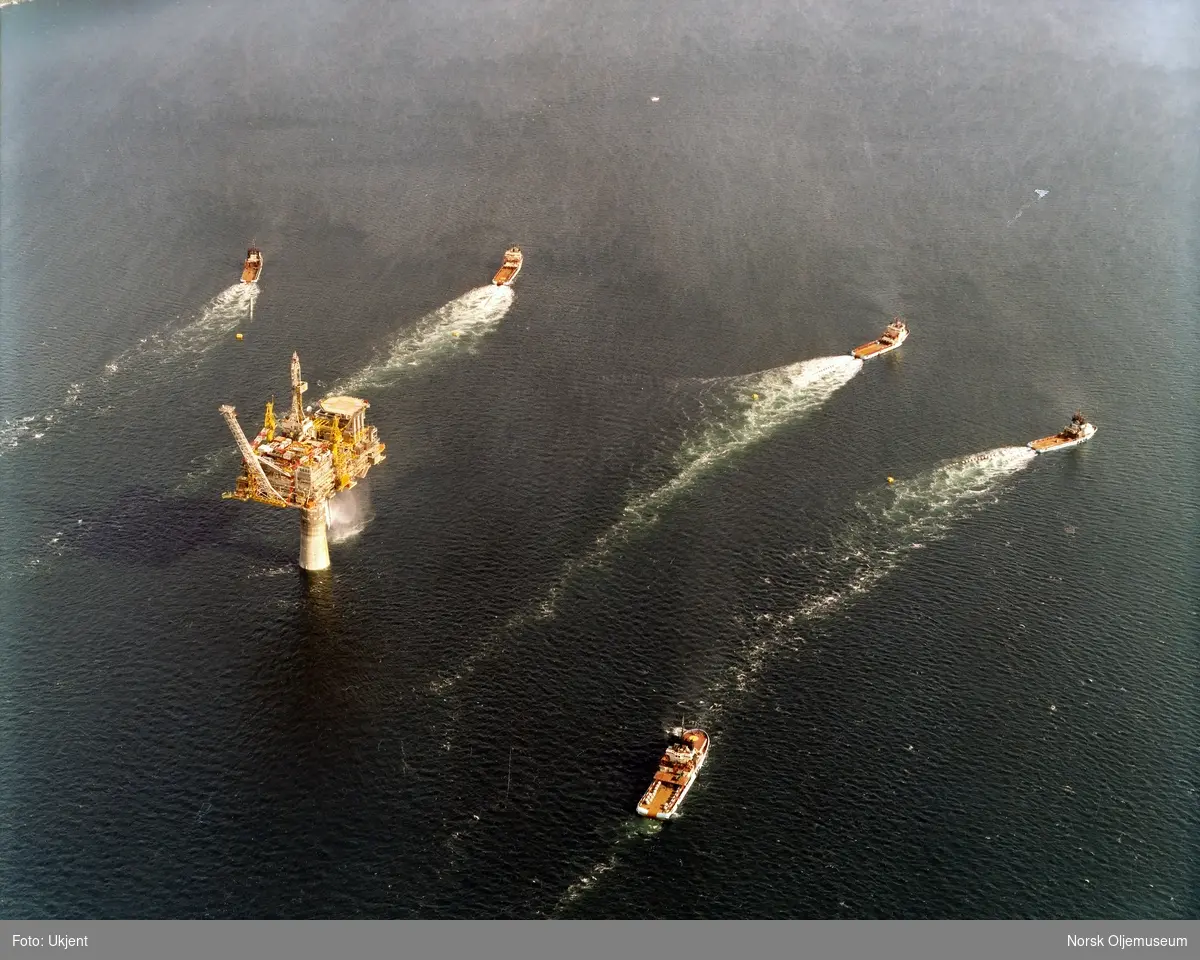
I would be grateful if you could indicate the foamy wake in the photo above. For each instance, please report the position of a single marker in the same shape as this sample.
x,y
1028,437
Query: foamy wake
x,y
457,325
761,404
220,317
886,528
38,552
224,314
630,832
17,430
584,883
1037,196
884,531
758,405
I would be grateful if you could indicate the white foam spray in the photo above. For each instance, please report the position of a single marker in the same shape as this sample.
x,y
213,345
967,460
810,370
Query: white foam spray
x,y
221,316
762,402
348,513
457,325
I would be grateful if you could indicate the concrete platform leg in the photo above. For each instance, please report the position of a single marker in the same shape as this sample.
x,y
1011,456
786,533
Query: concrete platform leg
x,y
314,541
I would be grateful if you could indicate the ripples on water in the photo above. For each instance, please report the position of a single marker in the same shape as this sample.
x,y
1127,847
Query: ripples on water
x,y
875,540
884,530
740,411
438,335
296,710
451,327
761,403
220,317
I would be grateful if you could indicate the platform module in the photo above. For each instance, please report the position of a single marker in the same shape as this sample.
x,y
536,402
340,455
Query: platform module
x,y
306,459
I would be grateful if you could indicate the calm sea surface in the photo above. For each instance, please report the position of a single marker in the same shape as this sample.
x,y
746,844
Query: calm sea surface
x,y
646,484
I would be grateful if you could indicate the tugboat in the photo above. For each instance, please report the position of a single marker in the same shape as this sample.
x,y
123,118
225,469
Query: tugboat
x,y
895,334
1073,434
252,269
677,771
513,258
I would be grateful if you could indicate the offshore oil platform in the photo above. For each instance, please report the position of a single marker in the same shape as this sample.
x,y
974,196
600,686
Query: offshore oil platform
x,y
305,459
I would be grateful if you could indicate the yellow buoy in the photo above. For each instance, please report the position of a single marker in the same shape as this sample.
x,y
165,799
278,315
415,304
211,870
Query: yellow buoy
x,y
891,479
238,335
754,396
455,334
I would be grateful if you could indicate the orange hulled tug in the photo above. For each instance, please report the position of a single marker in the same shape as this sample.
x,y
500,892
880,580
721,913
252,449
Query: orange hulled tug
x,y
1072,435
677,771
513,258
895,334
252,268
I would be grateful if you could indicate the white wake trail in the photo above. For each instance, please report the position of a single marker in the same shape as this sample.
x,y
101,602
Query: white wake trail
x,y
457,325
632,831
17,430
225,313
1037,196
885,530
761,403
222,315
764,402
450,327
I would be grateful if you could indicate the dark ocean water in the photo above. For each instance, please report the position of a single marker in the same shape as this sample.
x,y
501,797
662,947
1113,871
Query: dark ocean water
x,y
972,693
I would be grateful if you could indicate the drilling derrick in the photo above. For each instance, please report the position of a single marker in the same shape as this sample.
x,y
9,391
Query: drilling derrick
x,y
303,461
298,388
